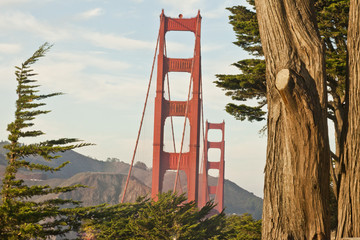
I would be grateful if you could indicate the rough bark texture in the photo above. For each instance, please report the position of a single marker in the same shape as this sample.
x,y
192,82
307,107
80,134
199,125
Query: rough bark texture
x,y
297,167
349,197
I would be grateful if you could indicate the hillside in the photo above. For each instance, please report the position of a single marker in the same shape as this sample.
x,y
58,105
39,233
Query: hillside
x,y
106,181
102,188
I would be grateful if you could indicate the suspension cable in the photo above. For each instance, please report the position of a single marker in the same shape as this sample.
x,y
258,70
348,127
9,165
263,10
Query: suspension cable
x,y
186,109
171,117
142,120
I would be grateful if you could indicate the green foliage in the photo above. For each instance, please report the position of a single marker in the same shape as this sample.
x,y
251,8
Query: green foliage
x,y
22,218
246,28
332,21
251,82
111,222
171,217
242,87
243,227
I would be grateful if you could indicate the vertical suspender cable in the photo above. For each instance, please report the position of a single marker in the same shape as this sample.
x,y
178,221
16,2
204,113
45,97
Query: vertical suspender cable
x,y
141,122
186,110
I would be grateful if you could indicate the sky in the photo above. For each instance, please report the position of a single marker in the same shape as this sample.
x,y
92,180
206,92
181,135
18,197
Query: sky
x,y
101,59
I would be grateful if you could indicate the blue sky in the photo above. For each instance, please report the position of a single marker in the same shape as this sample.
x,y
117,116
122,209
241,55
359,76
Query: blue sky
x,y
101,59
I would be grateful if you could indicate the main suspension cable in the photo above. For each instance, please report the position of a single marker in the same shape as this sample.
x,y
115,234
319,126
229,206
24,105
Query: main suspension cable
x,y
141,122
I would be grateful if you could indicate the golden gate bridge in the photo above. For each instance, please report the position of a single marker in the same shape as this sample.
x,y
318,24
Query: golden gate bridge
x,y
196,168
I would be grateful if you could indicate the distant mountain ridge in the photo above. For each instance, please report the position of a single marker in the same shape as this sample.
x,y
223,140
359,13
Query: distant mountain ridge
x,y
107,179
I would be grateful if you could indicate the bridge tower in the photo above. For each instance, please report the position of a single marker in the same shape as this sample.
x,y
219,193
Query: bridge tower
x,y
205,188
163,161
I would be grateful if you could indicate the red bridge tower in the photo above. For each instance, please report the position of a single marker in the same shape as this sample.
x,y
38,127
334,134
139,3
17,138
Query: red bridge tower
x,y
207,189
162,160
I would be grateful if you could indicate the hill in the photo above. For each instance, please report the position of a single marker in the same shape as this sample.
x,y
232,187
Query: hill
x,y
107,179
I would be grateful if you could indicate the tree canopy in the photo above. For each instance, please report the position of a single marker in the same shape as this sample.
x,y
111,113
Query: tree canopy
x,y
170,217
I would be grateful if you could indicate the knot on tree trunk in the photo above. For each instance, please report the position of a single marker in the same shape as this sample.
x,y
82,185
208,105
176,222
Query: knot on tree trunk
x,y
285,84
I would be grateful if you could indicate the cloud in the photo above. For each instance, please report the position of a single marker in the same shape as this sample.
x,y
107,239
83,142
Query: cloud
x,y
113,41
19,21
91,13
89,77
13,21
10,48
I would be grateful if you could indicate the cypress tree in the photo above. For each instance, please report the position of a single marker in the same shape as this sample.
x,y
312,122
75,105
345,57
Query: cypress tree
x,y
170,217
250,84
21,216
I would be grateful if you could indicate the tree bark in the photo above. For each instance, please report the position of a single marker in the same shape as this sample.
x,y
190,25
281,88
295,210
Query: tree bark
x,y
349,196
297,167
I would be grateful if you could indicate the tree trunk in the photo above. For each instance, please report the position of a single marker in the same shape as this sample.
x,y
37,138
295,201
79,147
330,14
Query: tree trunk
x,y
349,197
297,167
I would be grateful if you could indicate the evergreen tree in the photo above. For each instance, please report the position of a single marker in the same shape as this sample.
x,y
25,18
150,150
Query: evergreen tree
x,y
111,222
332,21
171,217
21,217
250,83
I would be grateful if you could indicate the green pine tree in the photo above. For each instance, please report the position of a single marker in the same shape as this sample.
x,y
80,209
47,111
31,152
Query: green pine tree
x,y
171,217
250,83
20,216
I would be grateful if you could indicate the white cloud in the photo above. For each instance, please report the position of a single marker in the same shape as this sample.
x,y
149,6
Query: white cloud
x,y
9,48
91,13
88,77
12,21
112,41
19,21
